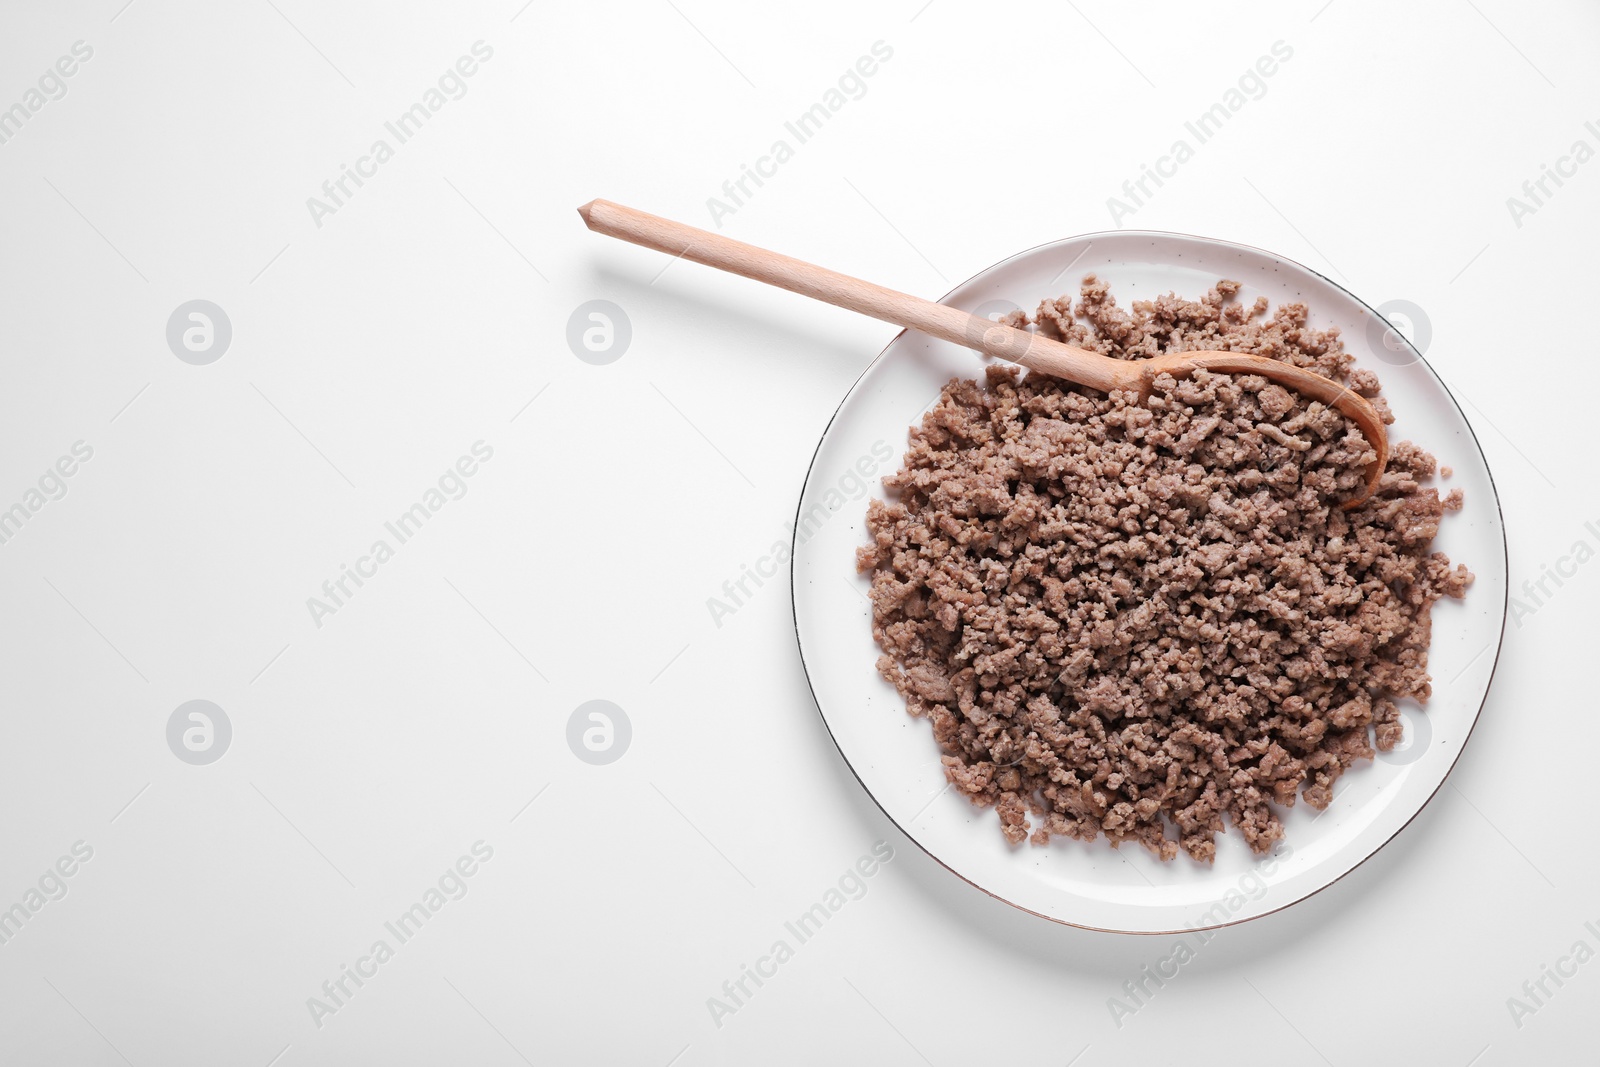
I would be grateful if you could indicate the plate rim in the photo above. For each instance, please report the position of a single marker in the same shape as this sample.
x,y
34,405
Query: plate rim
x,y
1477,715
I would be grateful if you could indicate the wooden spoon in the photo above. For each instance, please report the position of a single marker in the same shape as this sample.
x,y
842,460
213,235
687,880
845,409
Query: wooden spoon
x,y
1031,350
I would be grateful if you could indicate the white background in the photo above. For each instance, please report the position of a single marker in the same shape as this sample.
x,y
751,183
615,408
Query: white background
x,y
372,351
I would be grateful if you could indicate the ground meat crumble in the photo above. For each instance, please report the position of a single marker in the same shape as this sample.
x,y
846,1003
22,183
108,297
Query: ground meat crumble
x,y
1122,615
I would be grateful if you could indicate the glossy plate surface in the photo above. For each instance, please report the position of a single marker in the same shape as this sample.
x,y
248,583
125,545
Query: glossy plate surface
x,y
1093,885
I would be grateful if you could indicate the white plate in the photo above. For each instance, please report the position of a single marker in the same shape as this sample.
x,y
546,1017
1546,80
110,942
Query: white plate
x,y
1094,885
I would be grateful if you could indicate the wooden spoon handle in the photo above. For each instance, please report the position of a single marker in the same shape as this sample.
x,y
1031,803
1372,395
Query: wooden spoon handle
x,y
936,320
